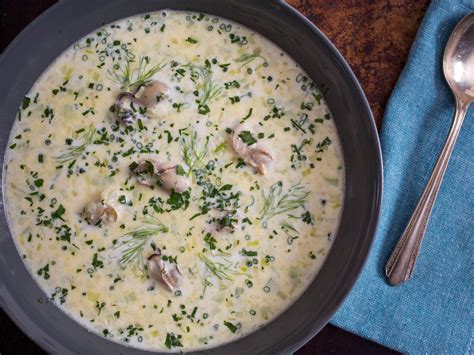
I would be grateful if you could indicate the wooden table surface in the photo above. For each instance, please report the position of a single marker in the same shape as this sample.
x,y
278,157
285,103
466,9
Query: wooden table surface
x,y
373,35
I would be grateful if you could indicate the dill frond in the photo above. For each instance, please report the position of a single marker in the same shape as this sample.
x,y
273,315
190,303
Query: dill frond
x,y
202,75
288,227
222,270
192,154
132,244
75,152
247,58
132,78
277,202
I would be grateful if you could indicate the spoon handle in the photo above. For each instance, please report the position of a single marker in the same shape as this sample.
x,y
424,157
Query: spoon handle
x,y
400,265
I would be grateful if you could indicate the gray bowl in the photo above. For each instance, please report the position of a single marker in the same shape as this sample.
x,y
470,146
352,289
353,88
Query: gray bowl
x,y
63,24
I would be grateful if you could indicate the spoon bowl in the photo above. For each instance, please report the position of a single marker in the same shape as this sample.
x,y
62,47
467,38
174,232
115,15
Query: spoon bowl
x,y
458,60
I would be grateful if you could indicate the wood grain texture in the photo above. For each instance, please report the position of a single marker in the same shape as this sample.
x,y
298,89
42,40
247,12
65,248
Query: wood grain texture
x,y
373,35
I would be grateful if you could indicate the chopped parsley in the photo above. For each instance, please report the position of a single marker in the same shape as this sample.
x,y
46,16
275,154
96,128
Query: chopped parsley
x,y
323,145
96,262
192,40
58,213
173,341
44,271
247,137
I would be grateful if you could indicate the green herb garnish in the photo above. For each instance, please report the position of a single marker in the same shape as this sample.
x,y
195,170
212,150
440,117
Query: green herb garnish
x,y
131,244
210,241
202,76
306,217
247,137
132,78
99,306
58,213
96,263
173,341
25,103
277,202
75,152
222,269
44,271
231,327
249,252
323,145
179,200
287,227
247,58
191,40
193,155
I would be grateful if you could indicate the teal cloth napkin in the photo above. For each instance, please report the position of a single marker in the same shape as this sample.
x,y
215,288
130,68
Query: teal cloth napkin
x,y
433,311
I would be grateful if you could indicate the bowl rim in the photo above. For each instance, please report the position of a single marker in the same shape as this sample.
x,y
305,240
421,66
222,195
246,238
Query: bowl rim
x,y
21,318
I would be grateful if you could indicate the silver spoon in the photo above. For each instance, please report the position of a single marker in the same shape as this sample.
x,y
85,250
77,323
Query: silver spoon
x,y
458,67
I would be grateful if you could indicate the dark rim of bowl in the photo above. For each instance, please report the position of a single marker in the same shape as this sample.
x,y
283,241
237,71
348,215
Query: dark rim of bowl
x,y
21,319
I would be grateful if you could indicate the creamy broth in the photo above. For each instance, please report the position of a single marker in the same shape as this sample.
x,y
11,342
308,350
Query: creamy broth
x,y
191,210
